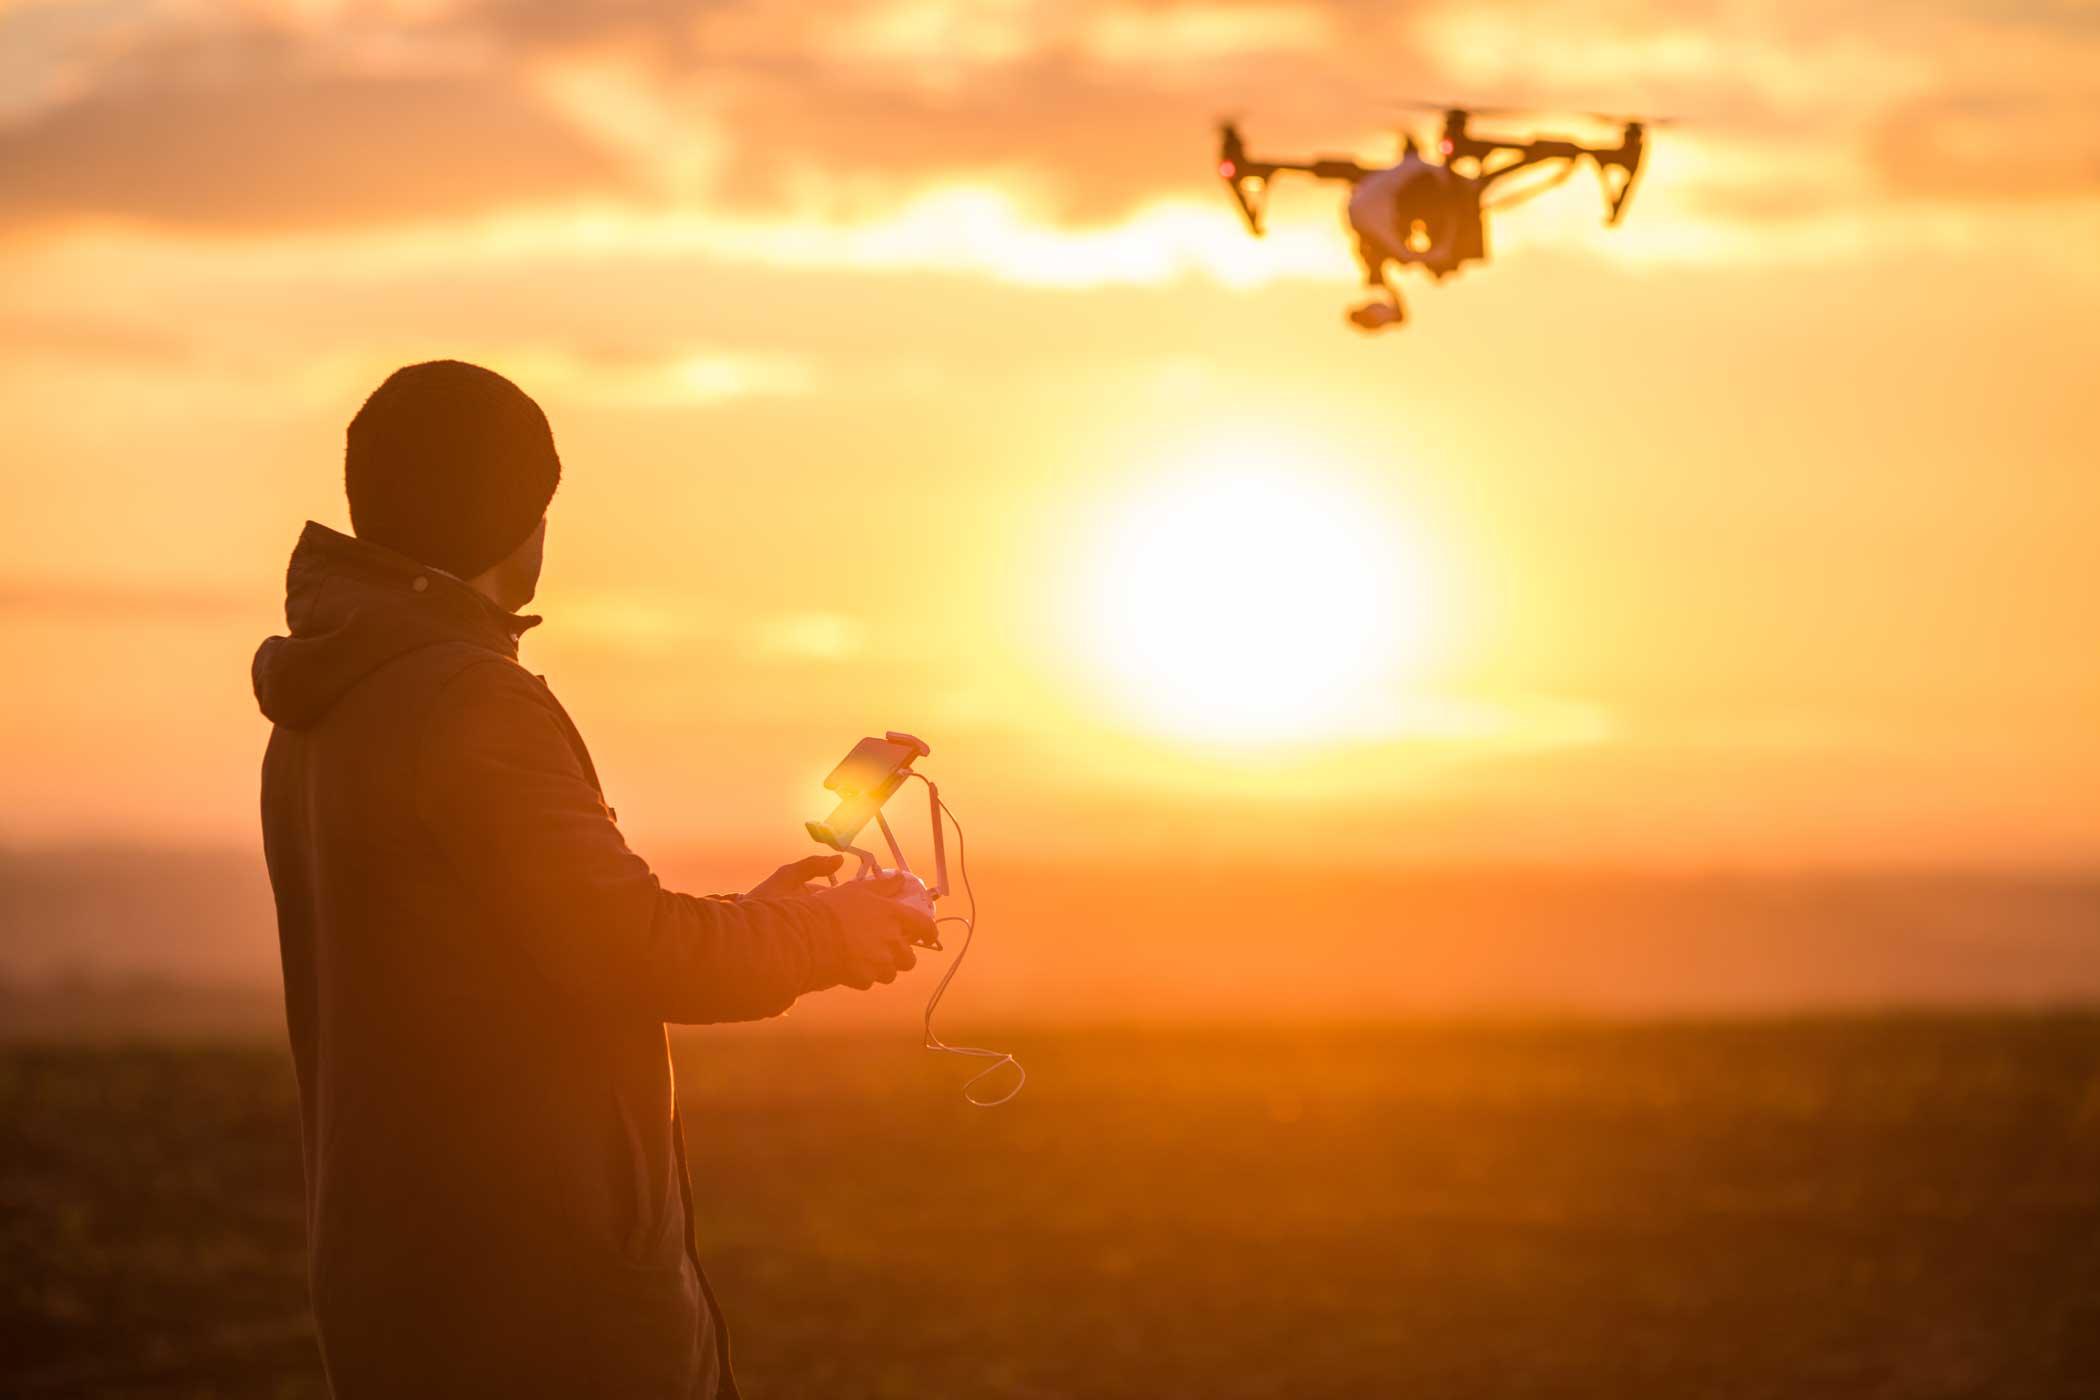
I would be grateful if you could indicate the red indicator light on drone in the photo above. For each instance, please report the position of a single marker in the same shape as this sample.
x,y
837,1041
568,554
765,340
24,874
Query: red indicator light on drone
x,y
1444,145
1226,169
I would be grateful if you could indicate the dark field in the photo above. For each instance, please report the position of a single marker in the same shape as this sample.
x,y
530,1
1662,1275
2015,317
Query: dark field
x,y
1901,1207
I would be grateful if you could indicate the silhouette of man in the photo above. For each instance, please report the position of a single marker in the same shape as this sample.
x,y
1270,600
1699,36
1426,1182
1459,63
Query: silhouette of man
x,y
477,970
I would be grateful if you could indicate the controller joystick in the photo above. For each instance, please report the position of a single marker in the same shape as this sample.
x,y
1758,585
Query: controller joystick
x,y
912,892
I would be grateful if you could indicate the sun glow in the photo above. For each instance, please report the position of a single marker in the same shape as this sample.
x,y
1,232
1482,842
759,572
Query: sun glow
x,y
1253,604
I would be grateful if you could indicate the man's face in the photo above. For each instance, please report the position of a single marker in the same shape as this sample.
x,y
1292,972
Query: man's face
x,y
517,578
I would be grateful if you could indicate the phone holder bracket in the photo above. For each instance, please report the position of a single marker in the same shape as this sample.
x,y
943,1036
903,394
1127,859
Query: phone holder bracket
x,y
864,781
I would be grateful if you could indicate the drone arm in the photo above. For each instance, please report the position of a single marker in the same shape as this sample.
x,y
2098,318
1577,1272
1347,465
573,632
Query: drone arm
x,y
1615,201
1606,160
1328,168
1249,180
1532,190
1538,153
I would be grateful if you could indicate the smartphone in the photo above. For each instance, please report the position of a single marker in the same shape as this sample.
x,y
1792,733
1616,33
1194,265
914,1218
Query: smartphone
x,y
864,780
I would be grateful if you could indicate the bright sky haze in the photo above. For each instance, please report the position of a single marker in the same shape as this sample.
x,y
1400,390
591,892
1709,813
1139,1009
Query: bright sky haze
x,y
911,369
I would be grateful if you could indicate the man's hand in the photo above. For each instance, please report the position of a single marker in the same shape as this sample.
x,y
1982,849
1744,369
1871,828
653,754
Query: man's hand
x,y
878,930
797,877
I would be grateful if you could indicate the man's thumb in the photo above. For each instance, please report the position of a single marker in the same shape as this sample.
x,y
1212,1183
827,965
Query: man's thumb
x,y
809,867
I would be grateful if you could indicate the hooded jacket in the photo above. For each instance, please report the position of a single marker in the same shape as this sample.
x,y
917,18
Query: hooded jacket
x,y
477,973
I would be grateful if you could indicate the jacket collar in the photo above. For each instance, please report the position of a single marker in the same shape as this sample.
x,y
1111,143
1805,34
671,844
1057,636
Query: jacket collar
x,y
353,606
324,555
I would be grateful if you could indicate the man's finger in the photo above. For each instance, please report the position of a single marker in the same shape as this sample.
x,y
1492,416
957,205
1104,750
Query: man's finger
x,y
906,959
916,923
815,867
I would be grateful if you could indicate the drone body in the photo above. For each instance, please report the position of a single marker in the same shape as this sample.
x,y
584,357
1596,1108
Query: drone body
x,y
1431,213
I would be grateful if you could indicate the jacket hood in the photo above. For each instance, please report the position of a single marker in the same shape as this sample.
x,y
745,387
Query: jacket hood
x,y
351,607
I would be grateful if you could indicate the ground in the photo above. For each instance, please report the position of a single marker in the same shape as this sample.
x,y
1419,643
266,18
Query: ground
x,y
1904,1206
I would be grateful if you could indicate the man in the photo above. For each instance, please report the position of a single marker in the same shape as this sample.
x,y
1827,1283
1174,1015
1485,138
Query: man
x,y
477,971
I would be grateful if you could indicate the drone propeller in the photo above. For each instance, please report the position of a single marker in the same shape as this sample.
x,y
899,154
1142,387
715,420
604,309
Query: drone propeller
x,y
1247,180
1474,109
1619,119
1471,109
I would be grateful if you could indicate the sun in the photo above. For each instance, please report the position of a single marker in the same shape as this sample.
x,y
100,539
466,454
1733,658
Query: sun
x,y
1252,604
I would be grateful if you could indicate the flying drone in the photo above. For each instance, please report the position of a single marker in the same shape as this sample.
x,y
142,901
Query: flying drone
x,y
1432,213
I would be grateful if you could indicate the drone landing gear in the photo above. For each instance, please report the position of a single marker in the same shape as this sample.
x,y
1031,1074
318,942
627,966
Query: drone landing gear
x,y
1385,309
1379,315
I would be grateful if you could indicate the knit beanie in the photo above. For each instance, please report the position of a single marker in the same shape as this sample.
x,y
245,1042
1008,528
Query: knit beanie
x,y
450,464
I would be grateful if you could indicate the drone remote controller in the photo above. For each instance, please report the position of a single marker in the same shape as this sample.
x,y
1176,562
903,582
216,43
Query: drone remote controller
x,y
913,895
866,778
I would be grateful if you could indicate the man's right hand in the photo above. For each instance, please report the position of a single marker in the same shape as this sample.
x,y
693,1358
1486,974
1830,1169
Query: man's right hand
x,y
878,931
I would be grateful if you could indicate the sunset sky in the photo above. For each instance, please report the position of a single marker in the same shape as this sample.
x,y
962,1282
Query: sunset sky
x,y
910,368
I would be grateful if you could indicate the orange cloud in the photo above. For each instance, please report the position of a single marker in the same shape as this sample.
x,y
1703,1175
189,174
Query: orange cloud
x,y
254,130
358,115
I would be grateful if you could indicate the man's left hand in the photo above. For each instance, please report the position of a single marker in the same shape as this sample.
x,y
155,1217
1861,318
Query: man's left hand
x,y
797,877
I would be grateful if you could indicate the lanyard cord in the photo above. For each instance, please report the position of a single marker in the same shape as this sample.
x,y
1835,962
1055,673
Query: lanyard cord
x,y
1000,1059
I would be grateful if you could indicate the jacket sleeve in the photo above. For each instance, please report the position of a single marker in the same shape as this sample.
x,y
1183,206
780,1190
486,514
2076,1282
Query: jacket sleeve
x,y
508,802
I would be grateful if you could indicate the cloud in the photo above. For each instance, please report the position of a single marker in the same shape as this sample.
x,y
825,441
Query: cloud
x,y
663,624
810,636
669,29
861,115
679,377
1094,109
349,115
2027,147
247,132
33,336
120,601
958,230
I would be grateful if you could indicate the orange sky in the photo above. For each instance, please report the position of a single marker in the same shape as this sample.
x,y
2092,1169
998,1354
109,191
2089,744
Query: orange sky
x,y
1762,530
